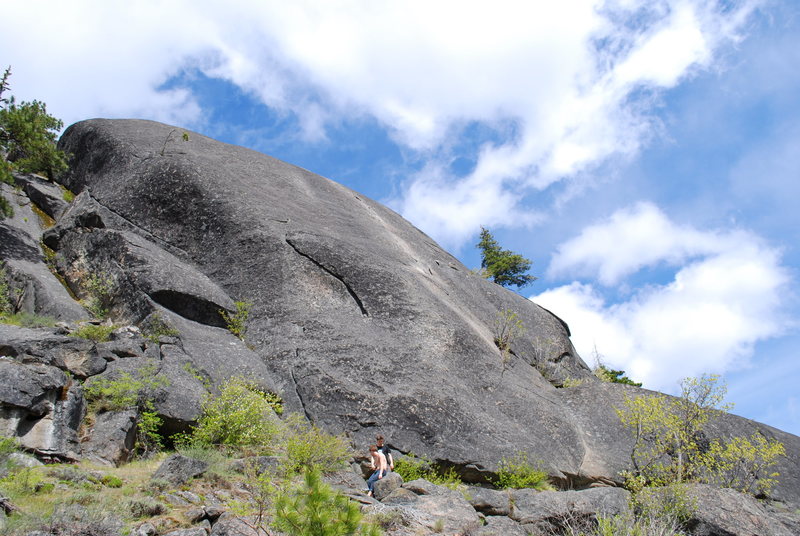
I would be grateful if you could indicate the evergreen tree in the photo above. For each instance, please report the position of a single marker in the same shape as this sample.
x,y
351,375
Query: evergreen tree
x,y
314,509
504,267
27,140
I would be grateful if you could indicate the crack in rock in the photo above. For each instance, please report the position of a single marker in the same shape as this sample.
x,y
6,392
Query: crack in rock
x,y
334,274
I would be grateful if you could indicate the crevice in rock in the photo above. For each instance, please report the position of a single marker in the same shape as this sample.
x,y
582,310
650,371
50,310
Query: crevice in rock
x,y
334,274
190,307
299,396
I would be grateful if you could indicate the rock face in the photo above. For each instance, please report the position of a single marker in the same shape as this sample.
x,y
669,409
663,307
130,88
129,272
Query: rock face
x,y
364,323
359,321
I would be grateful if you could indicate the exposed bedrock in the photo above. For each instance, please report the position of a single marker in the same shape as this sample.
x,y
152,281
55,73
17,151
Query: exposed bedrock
x,y
363,323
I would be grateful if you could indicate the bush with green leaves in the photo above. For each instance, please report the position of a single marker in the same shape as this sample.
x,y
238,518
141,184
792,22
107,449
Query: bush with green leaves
x,y
671,444
518,472
6,304
308,447
28,320
314,509
241,416
411,467
236,321
100,291
94,332
156,327
507,327
27,140
125,391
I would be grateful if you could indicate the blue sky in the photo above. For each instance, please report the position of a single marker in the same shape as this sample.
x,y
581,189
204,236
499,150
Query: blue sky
x,y
644,154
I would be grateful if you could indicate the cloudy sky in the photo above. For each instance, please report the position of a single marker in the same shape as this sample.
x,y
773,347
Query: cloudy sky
x,y
645,154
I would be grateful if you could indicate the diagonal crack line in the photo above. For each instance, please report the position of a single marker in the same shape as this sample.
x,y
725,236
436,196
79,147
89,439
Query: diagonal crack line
x,y
300,397
147,235
334,274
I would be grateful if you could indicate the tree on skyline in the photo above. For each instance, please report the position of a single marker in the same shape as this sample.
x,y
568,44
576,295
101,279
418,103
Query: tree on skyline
x,y
502,266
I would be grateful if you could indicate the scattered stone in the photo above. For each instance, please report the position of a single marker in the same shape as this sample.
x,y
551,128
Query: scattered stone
x,y
261,464
192,531
194,515
400,496
489,501
188,496
500,526
213,512
178,469
175,500
145,529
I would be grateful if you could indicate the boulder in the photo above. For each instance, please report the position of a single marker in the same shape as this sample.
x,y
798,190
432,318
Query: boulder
x,y
551,510
500,526
730,513
112,437
384,486
45,194
436,507
338,283
489,502
178,470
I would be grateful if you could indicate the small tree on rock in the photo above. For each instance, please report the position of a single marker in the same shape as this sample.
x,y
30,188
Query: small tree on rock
x,y
502,266
27,140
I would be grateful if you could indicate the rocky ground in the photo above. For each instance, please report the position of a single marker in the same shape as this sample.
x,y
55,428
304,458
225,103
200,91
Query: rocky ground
x,y
181,496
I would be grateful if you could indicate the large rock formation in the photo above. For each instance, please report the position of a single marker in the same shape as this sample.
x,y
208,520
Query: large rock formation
x,y
359,320
364,323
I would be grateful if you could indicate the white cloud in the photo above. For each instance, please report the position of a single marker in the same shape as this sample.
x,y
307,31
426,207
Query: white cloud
x,y
567,74
727,294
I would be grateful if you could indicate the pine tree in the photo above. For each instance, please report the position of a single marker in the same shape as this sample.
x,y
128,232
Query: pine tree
x,y
315,509
504,267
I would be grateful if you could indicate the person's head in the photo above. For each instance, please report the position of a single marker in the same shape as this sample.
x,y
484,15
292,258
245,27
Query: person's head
x,y
379,440
373,449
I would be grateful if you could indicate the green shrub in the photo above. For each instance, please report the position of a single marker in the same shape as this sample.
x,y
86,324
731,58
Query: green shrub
x,y
236,322
314,509
100,290
241,416
517,473
309,447
572,382
126,391
111,481
6,305
156,327
670,443
94,332
22,481
610,375
507,327
412,467
28,320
